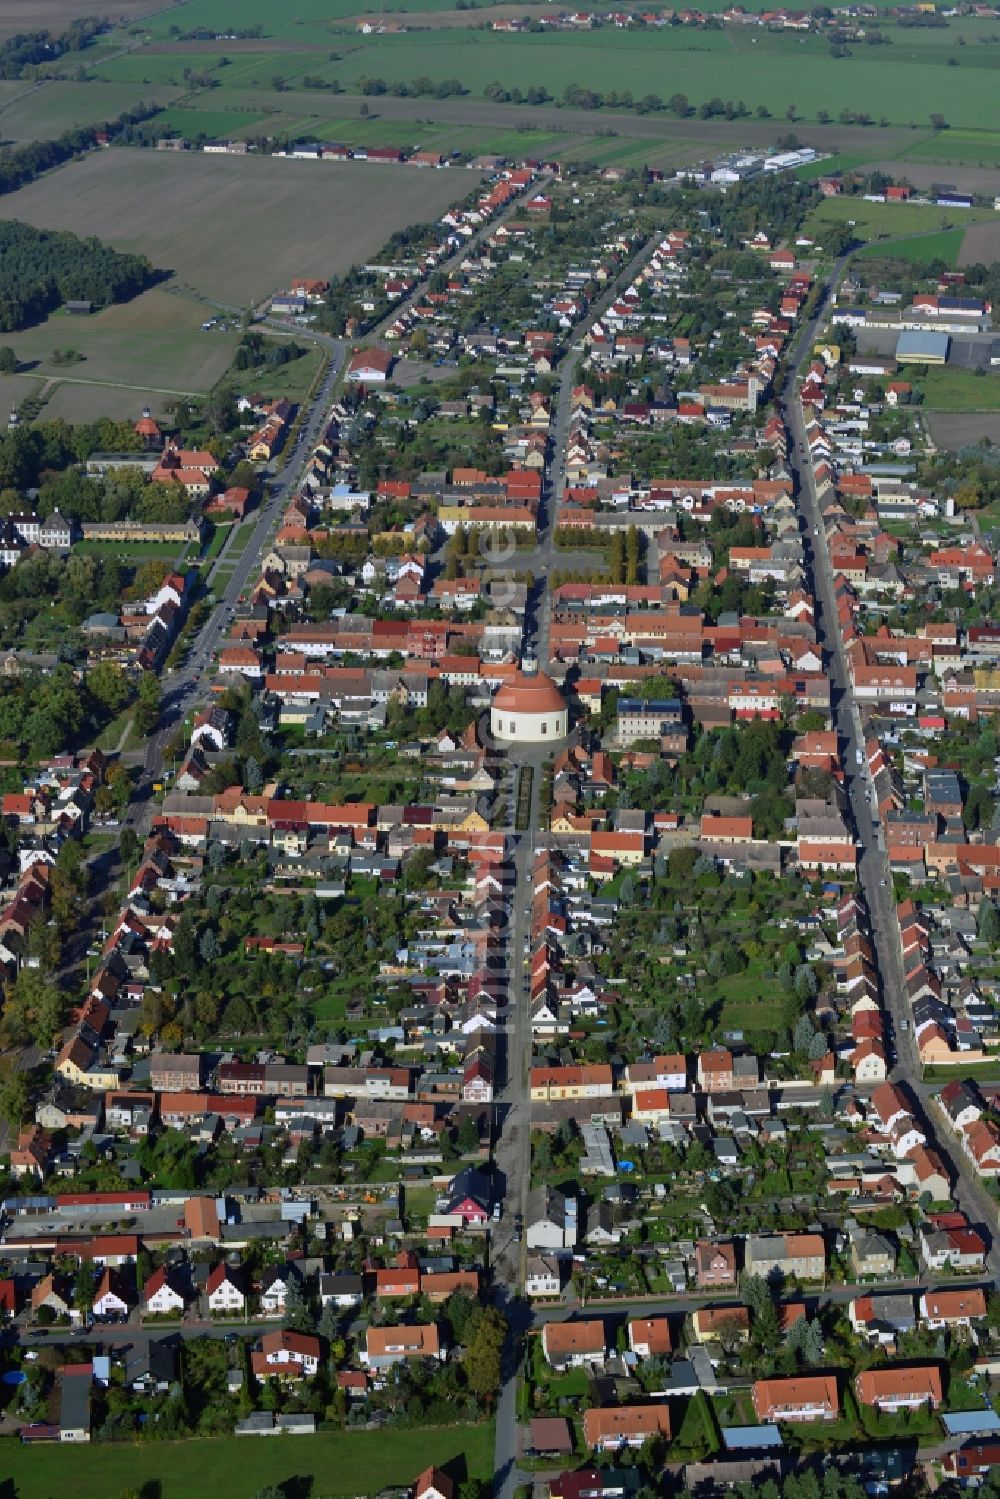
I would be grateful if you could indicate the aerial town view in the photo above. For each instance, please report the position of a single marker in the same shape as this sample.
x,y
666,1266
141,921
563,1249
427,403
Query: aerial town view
x,y
499,750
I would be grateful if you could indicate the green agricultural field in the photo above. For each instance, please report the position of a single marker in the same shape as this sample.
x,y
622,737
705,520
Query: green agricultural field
x,y
963,147
310,20
922,250
44,112
843,161
211,122
339,1463
307,22
873,221
948,389
919,73
150,68
153,343
702,65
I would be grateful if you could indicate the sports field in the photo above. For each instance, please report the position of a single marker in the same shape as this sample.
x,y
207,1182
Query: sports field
x,y
348,1463
235,228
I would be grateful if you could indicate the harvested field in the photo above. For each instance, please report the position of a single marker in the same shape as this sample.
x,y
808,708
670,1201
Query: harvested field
x,y
152,344
696,136
231,227
981,244
13,390
55,15
85,403
958,431
923,174
45,111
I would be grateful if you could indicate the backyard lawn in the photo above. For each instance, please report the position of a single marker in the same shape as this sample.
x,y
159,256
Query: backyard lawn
x,y
231,1468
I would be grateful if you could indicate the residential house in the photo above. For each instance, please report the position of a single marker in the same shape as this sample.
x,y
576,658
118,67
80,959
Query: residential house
x,y
900,1387
784,1255
649,1337
542,1277
225,1292
570,1344
288,1355
608,1429
946,1308
714,1264
808,1397
385,1346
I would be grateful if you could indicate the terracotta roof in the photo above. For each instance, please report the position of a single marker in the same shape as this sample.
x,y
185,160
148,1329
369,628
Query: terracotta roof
x,y
524,693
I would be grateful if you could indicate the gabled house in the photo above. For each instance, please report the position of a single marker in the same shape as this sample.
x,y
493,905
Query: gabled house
x,y
224,1289
900,1387
649,1337
714,1264
288,1355
567,1345
114,1296
385,1346
607,1429
809,1397
161,1295
274,1289
946,1308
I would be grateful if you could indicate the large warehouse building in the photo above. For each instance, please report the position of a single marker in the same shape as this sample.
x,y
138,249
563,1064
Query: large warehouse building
x,y
917,346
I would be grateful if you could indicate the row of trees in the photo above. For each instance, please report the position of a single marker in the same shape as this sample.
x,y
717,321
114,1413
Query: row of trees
x,y
28,49
422,87
20,165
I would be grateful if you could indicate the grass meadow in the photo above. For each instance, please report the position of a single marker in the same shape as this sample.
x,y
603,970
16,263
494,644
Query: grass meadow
x,y
328,1464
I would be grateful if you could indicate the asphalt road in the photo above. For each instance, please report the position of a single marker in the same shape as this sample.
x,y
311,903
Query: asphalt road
x,y
188,687
512,1149
873,866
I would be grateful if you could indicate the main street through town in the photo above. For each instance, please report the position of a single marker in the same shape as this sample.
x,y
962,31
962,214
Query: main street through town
x,y
873,866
